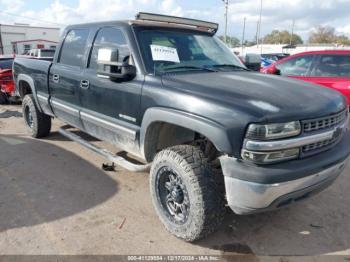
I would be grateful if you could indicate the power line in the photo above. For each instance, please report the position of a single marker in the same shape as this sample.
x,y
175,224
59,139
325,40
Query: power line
x,y
34,19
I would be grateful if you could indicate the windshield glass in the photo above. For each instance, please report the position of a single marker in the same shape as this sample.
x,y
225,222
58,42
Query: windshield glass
x,y
172,50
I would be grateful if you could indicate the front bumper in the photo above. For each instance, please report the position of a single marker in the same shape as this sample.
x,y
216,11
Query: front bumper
x,y
252,189
247,197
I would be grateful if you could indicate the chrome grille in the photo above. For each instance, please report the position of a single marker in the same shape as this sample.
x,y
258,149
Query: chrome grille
x,y
335,122
324,122
319,145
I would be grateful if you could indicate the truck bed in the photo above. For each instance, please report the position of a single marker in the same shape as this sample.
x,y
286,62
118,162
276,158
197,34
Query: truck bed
x,y
37,69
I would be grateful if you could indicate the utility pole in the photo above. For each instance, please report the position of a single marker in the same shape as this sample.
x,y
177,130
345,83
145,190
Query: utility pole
x,y
257,34
259,27
291,36
243,34
226,15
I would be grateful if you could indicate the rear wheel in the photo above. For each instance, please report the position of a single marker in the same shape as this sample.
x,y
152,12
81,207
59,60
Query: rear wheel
x,y
184,193
3,98
37,123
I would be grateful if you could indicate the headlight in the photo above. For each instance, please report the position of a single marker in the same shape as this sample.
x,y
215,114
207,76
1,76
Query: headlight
x,y
273,131
270,157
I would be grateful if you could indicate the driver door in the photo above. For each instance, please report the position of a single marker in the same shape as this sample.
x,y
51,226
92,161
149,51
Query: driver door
x,y
110,109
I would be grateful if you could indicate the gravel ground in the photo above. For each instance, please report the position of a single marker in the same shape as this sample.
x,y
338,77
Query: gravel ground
x,y
56,199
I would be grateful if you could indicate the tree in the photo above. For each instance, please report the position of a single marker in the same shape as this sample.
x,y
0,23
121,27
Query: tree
x,y
249,43
231,40
323,35
282,37
342,40
327,35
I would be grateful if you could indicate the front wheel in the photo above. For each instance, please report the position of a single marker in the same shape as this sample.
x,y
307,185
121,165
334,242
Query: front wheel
x,y
37,123
184,193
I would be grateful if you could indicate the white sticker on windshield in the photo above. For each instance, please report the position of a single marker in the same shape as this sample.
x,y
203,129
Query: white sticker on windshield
x,y
164,53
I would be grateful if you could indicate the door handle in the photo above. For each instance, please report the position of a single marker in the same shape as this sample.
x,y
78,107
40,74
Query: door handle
x,y
56,78
84,84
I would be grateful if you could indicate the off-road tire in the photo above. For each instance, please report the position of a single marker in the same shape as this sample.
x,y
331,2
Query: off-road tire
x,y
41,124
207,205
3,98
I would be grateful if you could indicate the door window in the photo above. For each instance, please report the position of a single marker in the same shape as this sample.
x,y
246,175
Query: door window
x,y
72,52
333,66
298,66
109,38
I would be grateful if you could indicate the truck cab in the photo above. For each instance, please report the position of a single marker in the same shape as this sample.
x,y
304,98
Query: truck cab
x,y
168,91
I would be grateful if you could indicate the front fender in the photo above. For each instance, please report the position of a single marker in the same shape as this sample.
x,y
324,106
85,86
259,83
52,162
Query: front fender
x,y
215,132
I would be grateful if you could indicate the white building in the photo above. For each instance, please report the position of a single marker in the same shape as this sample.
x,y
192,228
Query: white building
x,y
19,38
272,49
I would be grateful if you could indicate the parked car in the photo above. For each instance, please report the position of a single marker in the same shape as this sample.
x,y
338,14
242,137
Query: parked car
x,y
168,92
265,62
7,86
43,54
251,61
275,56
330,68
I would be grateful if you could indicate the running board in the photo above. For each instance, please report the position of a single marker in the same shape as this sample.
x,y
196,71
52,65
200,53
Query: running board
x,y
118,160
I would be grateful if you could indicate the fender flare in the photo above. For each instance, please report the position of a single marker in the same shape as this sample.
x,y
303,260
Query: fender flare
x,y
213,131
30,81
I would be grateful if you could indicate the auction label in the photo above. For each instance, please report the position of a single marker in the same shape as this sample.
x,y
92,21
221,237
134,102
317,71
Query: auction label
x,y
164,53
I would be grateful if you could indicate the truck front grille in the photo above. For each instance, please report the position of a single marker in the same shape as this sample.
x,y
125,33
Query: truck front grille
x,y
307,149
324,122
335,121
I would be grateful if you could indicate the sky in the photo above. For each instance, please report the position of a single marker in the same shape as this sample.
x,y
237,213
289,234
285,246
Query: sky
x,y
276,14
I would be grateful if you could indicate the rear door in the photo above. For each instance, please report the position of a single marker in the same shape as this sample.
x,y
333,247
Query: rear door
x,y
66,74
333,71
110,109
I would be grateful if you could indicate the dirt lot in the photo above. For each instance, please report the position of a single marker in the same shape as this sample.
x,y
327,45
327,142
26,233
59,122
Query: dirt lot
x,y
56,199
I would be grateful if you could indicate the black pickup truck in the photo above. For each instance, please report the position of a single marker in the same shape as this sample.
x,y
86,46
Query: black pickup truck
x,y
167,91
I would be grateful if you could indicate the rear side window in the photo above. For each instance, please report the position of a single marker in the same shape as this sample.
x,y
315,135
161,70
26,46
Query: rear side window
x,y
109,38
47,53
333,66
73,48
6,64
298,66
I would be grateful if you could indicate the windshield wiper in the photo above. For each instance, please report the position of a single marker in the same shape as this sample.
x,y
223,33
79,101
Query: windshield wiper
x,y
190,67
230,65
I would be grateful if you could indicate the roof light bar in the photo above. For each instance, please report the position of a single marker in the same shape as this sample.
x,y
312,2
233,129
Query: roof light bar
x,y
213,27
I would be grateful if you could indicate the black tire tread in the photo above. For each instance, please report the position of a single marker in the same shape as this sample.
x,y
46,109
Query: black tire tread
x,y
210,213
3,98
42,122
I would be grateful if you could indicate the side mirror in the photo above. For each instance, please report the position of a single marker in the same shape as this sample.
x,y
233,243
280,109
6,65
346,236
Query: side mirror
x,y
253,62
109,67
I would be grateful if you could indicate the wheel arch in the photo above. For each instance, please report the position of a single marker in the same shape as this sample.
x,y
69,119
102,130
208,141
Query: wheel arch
x,y
25,85
164,122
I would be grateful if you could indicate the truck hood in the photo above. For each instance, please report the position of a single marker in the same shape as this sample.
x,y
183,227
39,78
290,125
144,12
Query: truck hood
x,y
266,97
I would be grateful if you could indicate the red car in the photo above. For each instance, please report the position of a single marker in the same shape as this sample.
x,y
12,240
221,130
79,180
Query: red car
x,y
7,86
330,68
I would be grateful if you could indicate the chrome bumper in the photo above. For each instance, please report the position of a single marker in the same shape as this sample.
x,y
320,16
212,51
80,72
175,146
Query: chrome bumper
x,y
248,197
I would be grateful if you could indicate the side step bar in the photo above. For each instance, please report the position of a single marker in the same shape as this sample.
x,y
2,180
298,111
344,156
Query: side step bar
x,y
118,160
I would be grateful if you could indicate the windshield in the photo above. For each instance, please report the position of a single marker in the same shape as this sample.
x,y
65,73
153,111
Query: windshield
x,y
169,51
